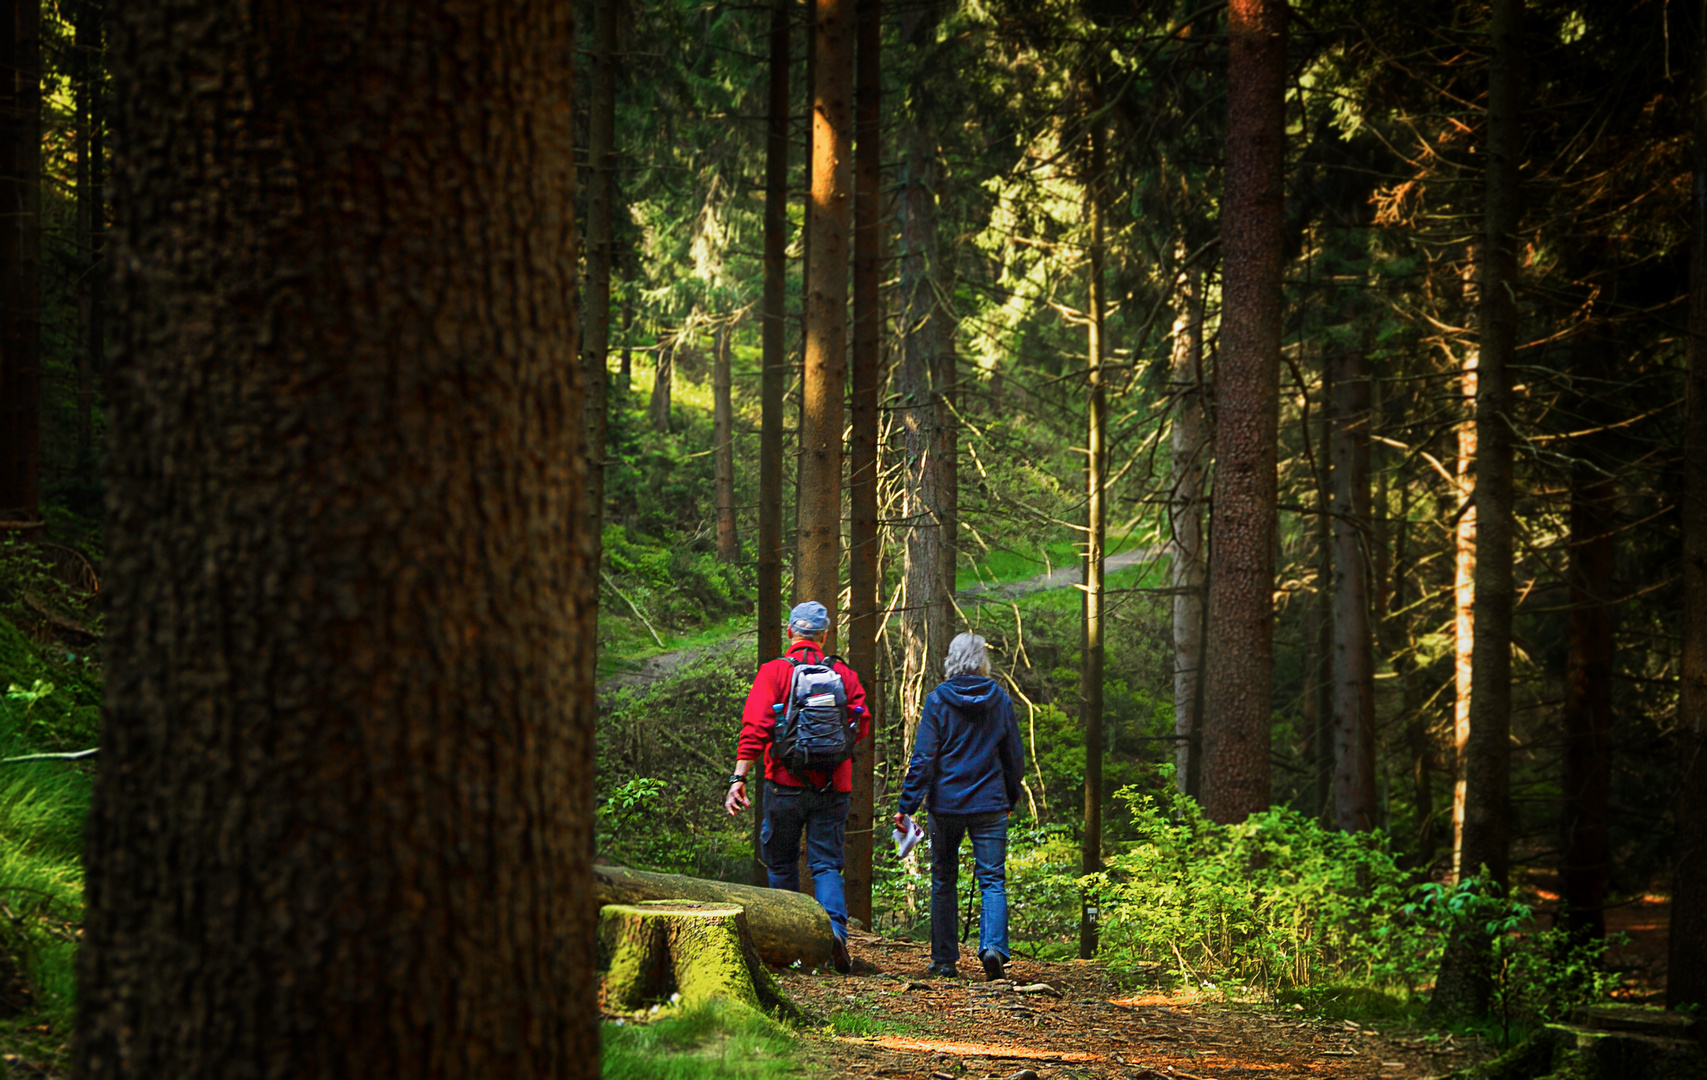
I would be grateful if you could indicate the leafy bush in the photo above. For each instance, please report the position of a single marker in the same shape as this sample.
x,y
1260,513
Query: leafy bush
x,y
1275,901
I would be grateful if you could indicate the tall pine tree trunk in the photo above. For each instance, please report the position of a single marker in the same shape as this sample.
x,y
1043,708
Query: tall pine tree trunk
x,y
1463,988
1686,982
1096,535
1588,705
773,328
863,583
1353,654
91,281
723,444
1464,584
825,382
663,373
340,828
1190,452
926,355
1240,658
595,296
20,260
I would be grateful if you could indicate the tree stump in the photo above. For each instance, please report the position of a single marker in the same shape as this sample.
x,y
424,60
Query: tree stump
x,y
700,951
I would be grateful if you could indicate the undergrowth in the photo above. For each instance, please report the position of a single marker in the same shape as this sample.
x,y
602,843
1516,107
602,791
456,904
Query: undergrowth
x,y
714,1041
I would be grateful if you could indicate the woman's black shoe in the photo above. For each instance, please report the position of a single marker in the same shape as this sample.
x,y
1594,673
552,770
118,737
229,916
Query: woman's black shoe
x,y
992,961
942,971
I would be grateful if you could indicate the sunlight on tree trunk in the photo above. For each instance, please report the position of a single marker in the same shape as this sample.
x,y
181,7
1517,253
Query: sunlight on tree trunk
x,y
1190,453
1464,583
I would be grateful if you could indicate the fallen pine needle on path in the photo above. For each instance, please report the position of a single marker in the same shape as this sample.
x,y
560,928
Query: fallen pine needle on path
x,y
887,1021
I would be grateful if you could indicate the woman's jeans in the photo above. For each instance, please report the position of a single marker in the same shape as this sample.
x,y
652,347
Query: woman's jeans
x,y
989,833
823,817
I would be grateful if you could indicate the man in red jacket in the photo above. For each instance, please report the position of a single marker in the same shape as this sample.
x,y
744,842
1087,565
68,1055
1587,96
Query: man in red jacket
x,y
814,803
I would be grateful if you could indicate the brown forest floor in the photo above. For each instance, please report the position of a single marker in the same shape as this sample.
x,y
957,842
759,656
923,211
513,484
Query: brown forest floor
x,y
948,1029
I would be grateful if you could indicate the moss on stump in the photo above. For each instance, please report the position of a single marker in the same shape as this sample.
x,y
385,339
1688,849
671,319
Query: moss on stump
x,y
701,951
1567,1052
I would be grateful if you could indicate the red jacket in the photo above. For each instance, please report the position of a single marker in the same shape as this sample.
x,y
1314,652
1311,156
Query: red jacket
x,y
758,720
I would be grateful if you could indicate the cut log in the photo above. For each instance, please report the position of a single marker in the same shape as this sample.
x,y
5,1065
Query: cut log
x,y
786,926
652,951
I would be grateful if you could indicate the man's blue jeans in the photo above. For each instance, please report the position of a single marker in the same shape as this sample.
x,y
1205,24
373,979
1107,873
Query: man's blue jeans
x,y
989,833
823,817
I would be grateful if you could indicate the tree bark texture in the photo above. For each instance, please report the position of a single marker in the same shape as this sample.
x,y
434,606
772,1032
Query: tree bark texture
x,y
1687,979
828,217
1463,989
1353,653
723,443
657,949
1240,657
1096,535
91,290
1190,461
785,926
340,828
864,605
927,426
772,337
20,260
1319,691
1588,705
595,295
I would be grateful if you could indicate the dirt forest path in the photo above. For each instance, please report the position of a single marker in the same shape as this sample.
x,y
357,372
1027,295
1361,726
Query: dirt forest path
x,y
1081,1027
653,668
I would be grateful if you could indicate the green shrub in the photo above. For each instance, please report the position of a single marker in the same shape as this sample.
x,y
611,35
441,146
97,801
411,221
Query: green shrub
x,y
1275,901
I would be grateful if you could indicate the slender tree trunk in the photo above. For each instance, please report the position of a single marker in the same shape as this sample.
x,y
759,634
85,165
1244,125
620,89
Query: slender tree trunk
x,y
1240,665
625,369
340,829
1463,987
723,442
772,342
825,386
1185,519
1353,659
659,407
863,580
927,340
85,87
1588,706
1319,693
1096,533
1687,979
20,260
1464,589
595,296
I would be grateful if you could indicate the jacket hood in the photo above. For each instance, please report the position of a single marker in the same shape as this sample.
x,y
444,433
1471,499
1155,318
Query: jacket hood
x,y
971,694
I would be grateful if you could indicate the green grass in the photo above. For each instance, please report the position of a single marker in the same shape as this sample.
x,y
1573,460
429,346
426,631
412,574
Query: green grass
x,y
629,643
860,1024
711,1042
1358,1003
1152,574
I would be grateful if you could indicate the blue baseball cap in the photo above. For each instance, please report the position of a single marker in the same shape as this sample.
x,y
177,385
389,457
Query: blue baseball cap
x,y
809,617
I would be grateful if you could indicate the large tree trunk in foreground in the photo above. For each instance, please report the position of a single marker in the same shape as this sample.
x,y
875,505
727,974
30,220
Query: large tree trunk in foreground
x,y
786,926
657,949
863,579
1686,982
1190,459
1353,652
825,381
1240,668
20,260
340,827
1463,988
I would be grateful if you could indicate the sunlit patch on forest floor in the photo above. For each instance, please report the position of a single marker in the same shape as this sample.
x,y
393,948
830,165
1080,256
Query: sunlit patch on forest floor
x,y
887,1020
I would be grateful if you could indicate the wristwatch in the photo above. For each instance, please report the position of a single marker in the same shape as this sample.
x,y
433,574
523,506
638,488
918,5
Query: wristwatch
x,y
736,778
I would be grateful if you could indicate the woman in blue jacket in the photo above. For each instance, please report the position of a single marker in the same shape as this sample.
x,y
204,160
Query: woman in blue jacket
x,y
967,765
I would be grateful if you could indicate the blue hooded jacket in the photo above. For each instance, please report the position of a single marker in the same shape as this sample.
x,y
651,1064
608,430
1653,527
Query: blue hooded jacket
x,y
968,758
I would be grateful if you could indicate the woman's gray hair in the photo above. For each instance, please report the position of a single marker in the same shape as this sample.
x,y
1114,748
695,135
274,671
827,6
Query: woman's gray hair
x,y
966,656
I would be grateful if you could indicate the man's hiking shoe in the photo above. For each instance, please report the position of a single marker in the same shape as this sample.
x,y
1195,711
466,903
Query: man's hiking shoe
x,y
839,954
992,961
942,971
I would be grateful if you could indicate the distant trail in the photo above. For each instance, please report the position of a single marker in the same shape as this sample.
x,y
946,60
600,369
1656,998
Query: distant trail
x,y
653,668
